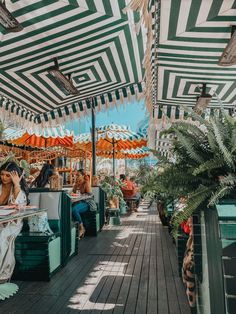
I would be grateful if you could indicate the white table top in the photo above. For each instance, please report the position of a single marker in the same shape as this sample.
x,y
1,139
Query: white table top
x,y
80,197
22,214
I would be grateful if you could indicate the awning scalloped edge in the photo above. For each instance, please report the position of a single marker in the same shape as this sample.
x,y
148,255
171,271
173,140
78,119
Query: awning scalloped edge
x,y
165,115
15,115
149,12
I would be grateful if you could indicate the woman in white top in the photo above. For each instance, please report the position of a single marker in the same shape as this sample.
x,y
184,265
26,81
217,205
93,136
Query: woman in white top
x,y
13,187
13,190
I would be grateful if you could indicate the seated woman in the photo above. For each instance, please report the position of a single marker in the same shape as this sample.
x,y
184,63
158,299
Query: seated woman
x,y
13,187
34,172
13,191
43,179
82,185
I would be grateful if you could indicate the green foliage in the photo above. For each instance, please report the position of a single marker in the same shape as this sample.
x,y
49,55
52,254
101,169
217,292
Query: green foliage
x,y
24,164
112,187
10,157
1,129
205,164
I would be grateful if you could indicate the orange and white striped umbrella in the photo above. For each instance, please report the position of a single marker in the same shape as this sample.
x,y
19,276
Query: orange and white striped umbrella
x,y
48,137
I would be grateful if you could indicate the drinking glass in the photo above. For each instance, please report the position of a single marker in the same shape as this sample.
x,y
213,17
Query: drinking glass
x,y
21,208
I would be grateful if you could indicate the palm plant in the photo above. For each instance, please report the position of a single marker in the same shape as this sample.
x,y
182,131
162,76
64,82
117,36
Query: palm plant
x,y
205,167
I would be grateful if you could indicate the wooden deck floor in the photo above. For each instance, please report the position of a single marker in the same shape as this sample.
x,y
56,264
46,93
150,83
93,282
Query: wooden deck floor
x,y
130,268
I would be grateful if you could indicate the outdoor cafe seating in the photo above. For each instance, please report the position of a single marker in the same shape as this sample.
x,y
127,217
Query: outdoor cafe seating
x,y
40,255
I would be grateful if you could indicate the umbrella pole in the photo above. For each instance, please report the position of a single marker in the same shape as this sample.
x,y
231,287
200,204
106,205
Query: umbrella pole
x,y
125,164
113,157
93,139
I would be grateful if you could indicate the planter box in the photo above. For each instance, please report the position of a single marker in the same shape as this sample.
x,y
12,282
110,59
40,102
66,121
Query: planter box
x,y
216,262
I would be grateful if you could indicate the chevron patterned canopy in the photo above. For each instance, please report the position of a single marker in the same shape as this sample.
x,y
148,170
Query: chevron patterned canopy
x,y
190,40
94,41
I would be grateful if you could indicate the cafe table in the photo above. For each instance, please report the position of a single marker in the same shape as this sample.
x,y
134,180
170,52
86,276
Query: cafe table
x,y
75,198
10,226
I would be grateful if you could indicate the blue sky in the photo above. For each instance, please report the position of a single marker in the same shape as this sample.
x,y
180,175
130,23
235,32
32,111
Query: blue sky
x,y
129,114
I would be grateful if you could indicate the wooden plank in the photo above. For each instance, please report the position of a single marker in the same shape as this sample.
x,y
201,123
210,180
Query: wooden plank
x,y
114,291
123,293
130,306
152,282
152,287
134,286
161,280
69,297
169,275
116,288
18,303
130,268
105,288
180,291
141,305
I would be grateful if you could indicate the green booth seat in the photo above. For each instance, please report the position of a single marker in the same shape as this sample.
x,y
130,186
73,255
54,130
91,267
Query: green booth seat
x,y
94,220
39,255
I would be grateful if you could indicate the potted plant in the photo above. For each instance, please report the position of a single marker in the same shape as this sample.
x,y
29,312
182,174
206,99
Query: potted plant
x,y
204,169
113,192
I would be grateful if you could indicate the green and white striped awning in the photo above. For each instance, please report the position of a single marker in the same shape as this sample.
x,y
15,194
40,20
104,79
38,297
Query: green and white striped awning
x,y
96,41
191,38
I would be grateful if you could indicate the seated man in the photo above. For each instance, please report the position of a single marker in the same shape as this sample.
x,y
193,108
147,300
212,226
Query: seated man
x,y
136,190
129,189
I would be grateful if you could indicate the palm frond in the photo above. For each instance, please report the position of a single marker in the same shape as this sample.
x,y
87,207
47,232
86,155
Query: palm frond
x,y
229,179
195,201
233,140
221,192
188,144
208,166
222,147
212,141
189,127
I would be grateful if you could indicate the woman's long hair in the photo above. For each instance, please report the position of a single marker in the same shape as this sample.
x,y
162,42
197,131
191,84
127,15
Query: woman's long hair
x,y
44,176
12,166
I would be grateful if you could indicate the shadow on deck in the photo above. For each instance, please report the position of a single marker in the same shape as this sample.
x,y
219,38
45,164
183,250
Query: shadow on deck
x,y
130,268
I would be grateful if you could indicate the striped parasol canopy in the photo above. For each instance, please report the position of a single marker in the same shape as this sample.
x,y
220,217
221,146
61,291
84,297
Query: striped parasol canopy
x,y
190,39
48,137
96,45
185,42
136,153
112,136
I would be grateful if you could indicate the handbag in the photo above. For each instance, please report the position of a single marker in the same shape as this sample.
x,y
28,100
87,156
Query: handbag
x,y
39,223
